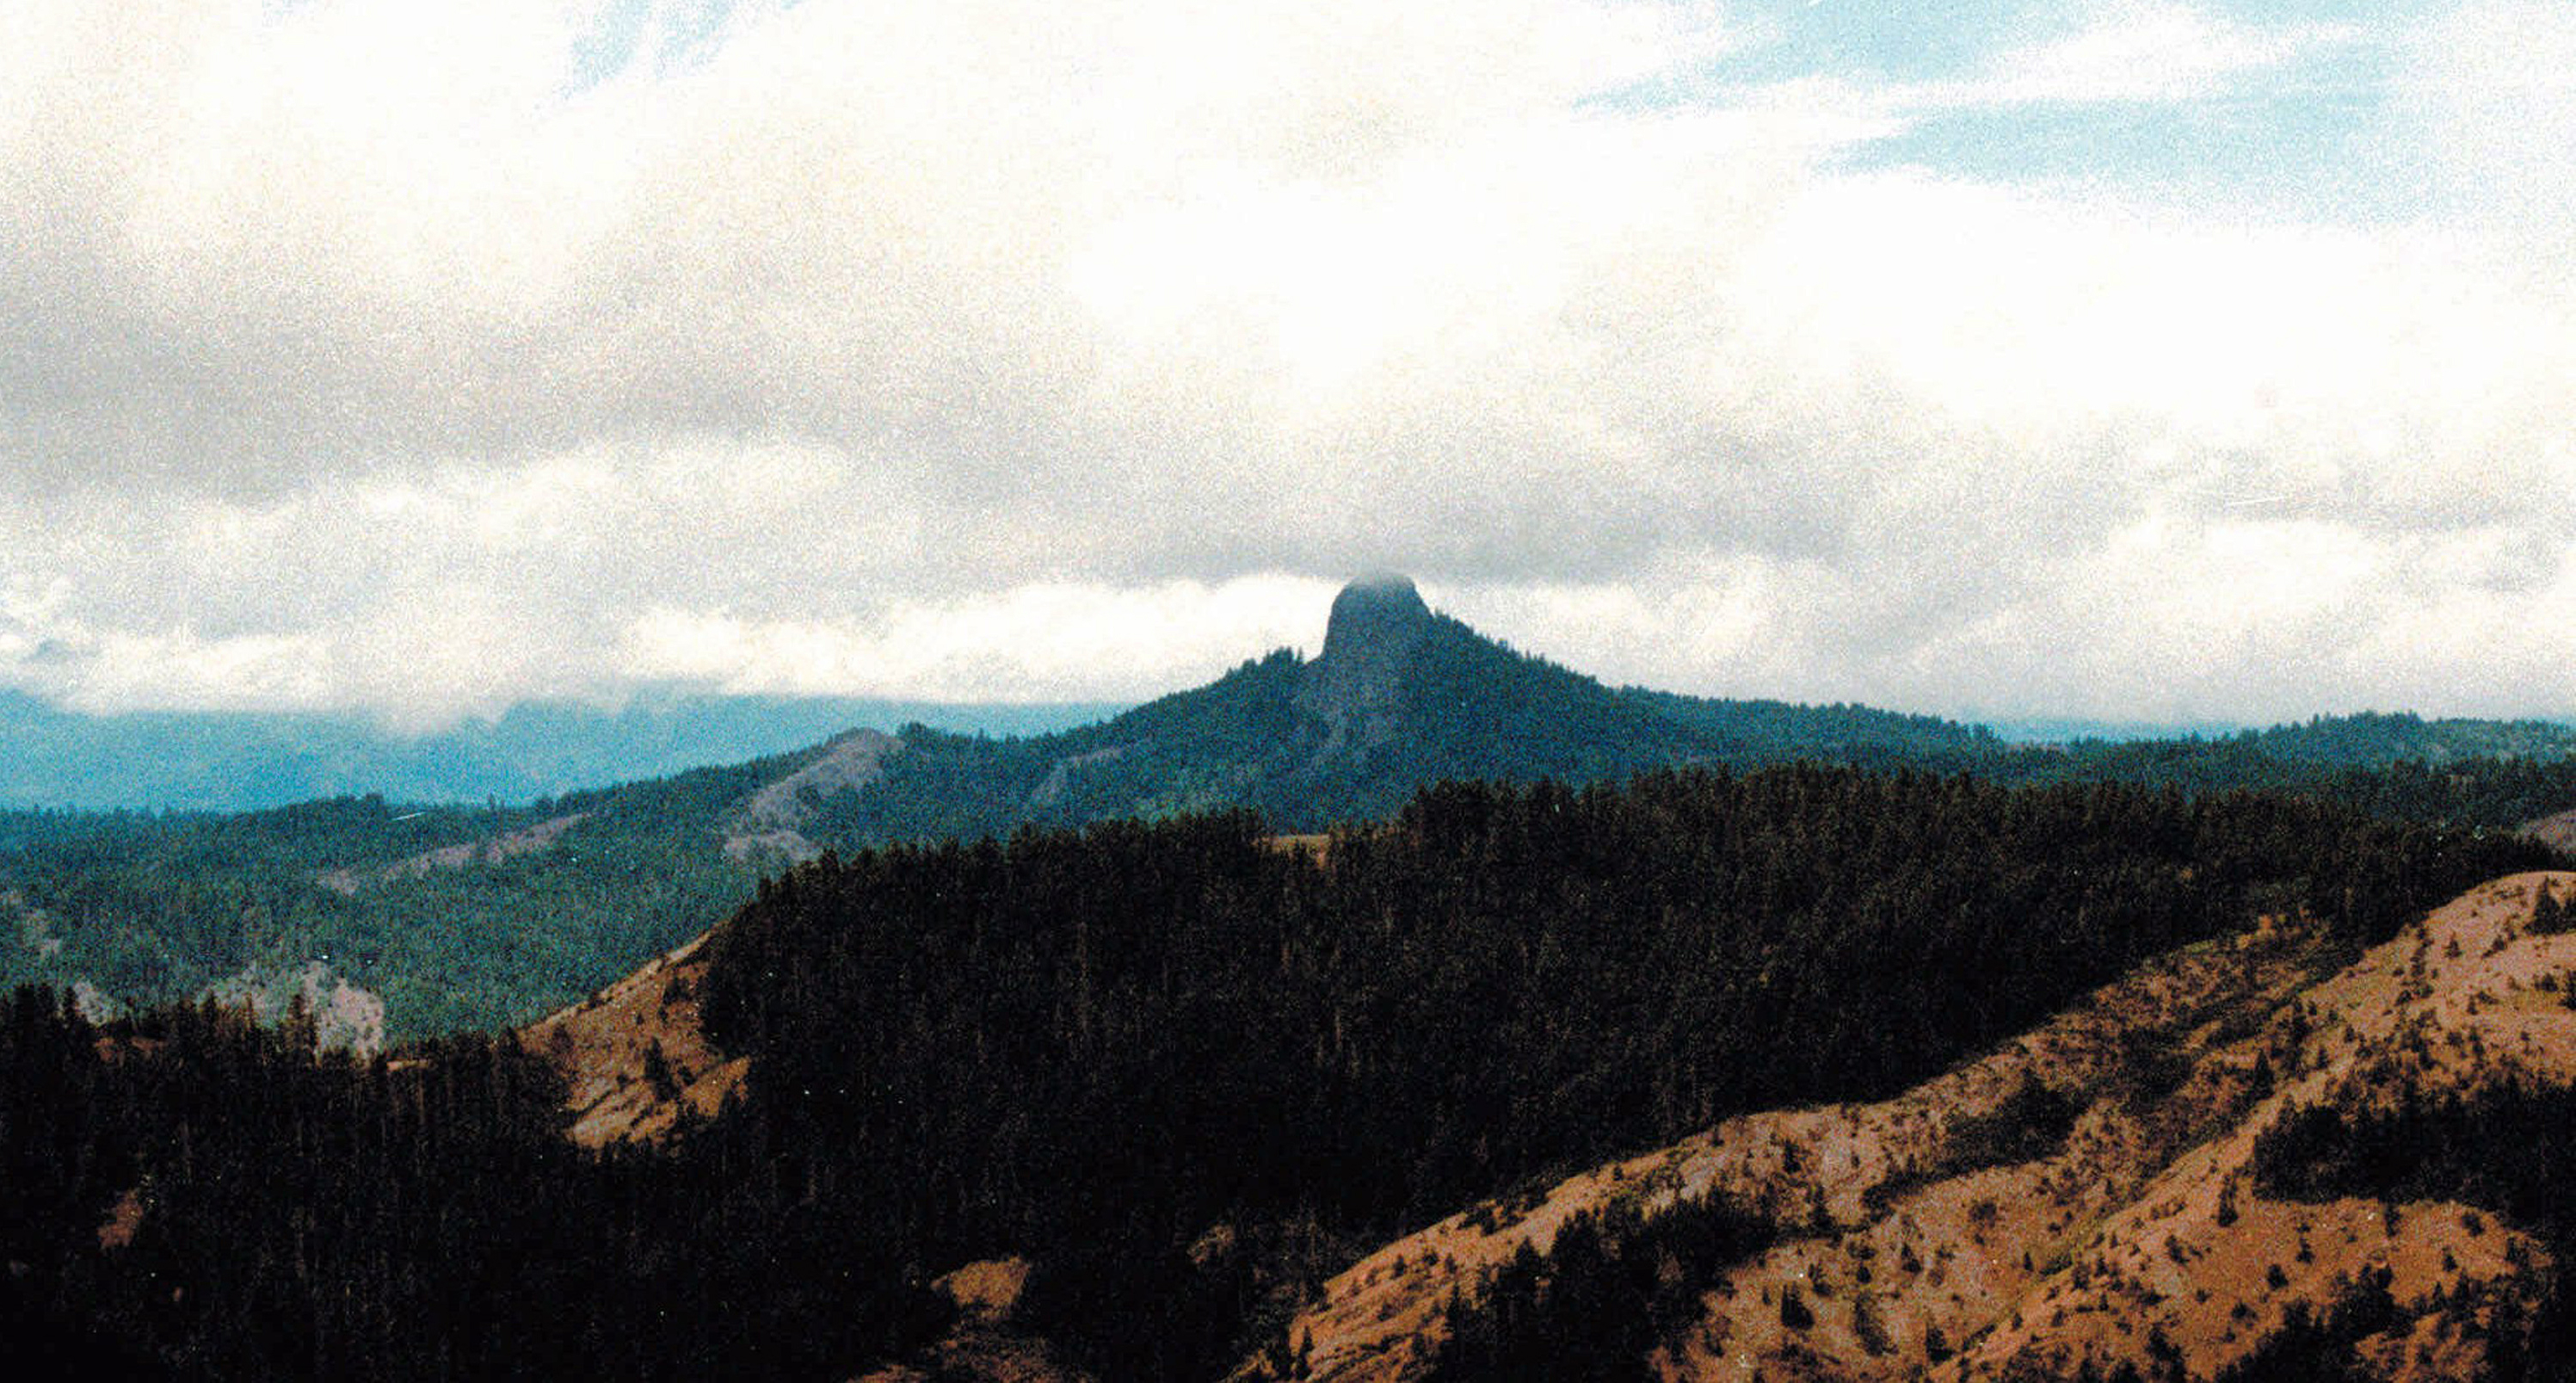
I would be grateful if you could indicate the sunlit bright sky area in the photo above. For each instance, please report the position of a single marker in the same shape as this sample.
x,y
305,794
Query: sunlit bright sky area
x,y
2133,360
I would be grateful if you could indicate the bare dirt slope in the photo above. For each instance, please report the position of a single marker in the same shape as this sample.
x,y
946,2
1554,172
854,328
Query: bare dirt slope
x,y
2557,831
609,1044
490,850
606,1047
2141,1235
984,1347
772,819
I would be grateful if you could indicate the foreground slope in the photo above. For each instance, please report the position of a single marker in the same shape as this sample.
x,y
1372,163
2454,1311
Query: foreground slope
x,y
1186,1076
635,1059
1183,1071
1965,1230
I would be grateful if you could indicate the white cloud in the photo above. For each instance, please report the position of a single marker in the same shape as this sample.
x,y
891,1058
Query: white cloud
x,y
357,354
2489,96
1027,642
2136,50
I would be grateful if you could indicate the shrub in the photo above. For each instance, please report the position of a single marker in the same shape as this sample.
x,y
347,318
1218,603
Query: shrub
x,y
1793,1310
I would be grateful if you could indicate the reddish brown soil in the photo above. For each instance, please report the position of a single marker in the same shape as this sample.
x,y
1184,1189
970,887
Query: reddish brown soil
x,y
2144,1227
603,1044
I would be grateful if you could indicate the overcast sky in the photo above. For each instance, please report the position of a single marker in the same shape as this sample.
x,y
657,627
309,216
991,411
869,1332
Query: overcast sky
x,y
2131,360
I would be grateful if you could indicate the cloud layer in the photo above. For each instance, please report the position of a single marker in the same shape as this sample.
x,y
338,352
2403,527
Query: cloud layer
x,y
357,353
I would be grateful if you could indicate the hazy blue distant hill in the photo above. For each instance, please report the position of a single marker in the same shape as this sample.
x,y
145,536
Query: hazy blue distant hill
x,y
2370,739
242,761
2068,729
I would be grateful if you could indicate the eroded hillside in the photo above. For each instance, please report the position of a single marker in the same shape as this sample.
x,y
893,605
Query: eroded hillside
x,y
634,1058
2086,1194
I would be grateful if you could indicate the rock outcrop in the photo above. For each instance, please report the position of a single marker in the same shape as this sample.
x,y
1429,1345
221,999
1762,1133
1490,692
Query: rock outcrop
x,y
1355,688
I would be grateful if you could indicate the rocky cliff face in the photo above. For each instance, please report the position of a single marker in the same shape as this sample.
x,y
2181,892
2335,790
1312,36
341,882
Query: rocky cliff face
x,y
1355,687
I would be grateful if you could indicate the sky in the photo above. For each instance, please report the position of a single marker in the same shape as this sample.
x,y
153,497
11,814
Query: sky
x,y
2131,360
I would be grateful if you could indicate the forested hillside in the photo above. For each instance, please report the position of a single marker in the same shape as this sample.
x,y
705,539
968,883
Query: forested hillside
x,y
1251,1059
194,1196
1502,982
147,908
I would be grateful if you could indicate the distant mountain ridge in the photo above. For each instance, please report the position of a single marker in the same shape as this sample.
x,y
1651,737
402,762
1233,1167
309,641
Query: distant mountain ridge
x,y
1395,681
1399,696
2372,737
472,916
1402,695
2357,739
250,760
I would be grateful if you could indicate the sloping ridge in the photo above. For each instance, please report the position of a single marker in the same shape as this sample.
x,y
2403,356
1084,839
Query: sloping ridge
x,y
772,818
1402,695
489,850
2141,1239
610,1045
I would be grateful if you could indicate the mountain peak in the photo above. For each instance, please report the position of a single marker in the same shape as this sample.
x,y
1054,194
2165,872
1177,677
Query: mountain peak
x,y
1354,685
1375,619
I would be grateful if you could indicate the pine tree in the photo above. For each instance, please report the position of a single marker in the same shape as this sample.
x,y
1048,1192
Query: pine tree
x,y
657,1073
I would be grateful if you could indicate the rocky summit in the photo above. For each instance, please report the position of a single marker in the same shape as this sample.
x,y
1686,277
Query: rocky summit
x,y
1377,625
